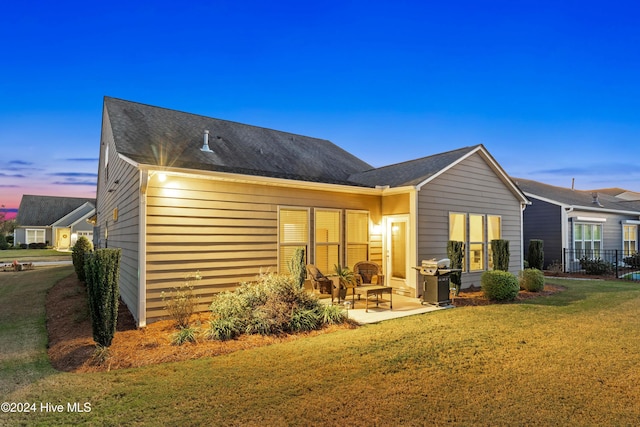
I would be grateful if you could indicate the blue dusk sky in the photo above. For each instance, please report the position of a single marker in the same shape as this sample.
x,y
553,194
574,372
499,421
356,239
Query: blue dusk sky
x,y
551,88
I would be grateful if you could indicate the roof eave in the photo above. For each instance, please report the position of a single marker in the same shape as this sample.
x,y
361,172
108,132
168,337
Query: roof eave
x,y
258,179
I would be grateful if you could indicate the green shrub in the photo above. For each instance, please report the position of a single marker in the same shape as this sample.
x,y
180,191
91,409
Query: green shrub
x,y
184,335
332,314
223,329
500,251
78,253
633,261
531,279
535,257
182,302
297,267
455,253
3,243
274,304
305,319
102,271
595,266
499,285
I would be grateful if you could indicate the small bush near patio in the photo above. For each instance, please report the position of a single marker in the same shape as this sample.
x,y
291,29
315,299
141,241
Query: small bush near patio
x,y
78,254
532,280
273,305
499,285
595,266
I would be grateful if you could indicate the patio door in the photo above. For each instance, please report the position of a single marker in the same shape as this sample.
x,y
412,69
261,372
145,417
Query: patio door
x,y
397,250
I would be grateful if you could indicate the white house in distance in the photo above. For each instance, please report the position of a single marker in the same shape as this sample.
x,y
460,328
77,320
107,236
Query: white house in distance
x,y
180,193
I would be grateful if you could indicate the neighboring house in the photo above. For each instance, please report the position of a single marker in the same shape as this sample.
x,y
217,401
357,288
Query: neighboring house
x,y
54,221
181,193
586,223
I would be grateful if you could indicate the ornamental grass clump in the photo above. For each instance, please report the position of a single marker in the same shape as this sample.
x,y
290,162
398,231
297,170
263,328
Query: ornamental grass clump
x,y
185,335
531,279
499,285
273,305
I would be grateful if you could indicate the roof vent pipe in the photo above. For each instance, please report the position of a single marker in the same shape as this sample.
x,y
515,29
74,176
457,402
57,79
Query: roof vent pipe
x,y
596,201
205,147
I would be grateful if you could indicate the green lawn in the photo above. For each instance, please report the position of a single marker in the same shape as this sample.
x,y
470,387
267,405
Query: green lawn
x,y
27,255
568,359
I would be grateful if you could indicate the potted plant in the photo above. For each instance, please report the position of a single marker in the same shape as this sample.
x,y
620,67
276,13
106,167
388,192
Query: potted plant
x,y
346,278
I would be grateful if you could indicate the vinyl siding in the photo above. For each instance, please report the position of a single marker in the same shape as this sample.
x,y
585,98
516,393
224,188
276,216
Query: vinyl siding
x,y
543,221
227,231
470,187
611,228
122,233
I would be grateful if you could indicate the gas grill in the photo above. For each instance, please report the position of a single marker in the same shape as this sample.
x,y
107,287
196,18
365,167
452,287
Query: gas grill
x,y
436,281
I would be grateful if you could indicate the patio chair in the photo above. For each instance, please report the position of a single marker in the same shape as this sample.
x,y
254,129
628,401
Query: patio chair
x,y
319,281
368,273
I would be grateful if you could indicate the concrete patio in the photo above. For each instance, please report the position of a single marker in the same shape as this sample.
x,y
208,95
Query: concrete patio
x,y
402,306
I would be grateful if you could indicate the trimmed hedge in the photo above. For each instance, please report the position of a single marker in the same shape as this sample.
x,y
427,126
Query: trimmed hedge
x,y
536,254
455,252
499,285
531,279
78,254
501,254
102,271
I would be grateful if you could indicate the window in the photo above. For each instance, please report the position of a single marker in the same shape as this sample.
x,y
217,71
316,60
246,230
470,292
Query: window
x,y
476,231
357,237
35,236
293,234
327,242
476,242
494,232
630,239
458,232
587,240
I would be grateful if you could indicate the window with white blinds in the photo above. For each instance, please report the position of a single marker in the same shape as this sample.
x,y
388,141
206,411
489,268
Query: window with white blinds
x,y
357,236
327,231
293,234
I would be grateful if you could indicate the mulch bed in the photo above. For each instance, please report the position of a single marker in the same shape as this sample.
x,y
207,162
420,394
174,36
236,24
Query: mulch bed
x,y
71,346
473,296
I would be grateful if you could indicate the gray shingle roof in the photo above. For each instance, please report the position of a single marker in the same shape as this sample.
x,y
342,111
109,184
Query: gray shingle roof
x,y
569,197
412,172
45,210
162,137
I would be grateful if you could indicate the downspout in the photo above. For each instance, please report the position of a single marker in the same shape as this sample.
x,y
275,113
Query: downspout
x,y
413,225
142,249
523,206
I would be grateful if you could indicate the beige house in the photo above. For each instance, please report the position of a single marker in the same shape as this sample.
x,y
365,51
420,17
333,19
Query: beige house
x,y
181,193
53,221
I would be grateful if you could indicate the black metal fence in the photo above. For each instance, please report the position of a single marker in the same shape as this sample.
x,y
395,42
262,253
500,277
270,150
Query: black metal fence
x,y
599,262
